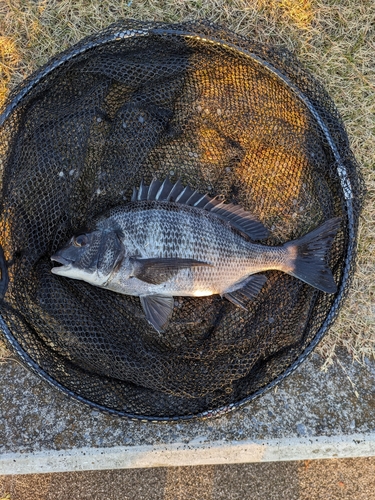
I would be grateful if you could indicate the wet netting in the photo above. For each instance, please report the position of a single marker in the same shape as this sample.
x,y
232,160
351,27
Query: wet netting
x,y
228,117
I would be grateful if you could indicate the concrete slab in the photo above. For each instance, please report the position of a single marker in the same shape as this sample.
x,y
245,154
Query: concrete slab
x,y
311,414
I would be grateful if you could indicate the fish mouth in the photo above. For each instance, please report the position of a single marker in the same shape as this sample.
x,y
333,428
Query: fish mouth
x,y
60,259
66,264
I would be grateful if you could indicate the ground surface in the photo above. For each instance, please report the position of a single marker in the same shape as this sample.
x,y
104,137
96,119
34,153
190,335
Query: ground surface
x,y
346,479
308,405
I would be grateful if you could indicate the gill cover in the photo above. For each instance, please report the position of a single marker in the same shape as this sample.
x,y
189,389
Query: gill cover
x,y
97,253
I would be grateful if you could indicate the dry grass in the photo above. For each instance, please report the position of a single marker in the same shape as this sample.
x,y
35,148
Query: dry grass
x,y
4,352
335,40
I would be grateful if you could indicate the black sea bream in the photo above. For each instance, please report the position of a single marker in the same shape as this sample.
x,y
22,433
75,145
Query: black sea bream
x,y
173,241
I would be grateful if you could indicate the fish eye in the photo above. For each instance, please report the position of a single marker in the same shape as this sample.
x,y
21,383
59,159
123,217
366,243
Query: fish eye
x,y
80,241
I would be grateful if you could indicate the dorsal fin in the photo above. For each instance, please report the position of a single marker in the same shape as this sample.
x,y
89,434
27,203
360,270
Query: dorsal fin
x,y
153,189
164,191
142,191
167,191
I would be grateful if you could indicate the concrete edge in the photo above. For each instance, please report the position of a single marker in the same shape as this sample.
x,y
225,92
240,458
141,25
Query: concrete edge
x,y
197,452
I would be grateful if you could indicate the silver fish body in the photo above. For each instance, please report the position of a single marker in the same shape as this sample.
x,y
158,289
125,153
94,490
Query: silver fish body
x,y
172,241
165,230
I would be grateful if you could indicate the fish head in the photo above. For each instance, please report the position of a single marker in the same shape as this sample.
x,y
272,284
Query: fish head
x,y
90,257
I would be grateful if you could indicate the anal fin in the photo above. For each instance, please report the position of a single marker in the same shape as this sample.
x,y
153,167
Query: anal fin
x,y
248,288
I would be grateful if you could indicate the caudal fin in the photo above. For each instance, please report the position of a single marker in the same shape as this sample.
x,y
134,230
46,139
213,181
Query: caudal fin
x,y
308,256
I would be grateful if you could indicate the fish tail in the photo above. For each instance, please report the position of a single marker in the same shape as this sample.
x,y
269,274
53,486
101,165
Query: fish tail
x,y
307,256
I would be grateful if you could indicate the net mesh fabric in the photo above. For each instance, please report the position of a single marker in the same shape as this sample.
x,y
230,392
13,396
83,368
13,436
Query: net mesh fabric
x,y
228,117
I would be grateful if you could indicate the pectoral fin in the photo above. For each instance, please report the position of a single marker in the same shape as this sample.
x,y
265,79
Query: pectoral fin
x,y
158,309
248,288
156,271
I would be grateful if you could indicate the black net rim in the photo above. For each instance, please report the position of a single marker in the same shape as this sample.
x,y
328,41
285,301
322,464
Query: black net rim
x,y
16,99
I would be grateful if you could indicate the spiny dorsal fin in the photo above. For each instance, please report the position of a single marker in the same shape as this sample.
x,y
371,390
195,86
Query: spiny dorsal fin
x,y
143,191
164,191
167,191
153,189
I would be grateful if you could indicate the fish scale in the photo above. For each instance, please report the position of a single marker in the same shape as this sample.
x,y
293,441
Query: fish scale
x,y
202,237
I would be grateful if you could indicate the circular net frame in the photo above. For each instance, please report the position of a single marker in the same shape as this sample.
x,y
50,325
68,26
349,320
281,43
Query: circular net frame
x,y
228,117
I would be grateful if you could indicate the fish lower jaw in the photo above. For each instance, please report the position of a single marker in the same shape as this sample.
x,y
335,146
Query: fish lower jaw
x,y
69,271
61,270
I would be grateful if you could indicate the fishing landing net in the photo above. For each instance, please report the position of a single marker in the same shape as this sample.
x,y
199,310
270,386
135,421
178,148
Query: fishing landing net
x,y
227,116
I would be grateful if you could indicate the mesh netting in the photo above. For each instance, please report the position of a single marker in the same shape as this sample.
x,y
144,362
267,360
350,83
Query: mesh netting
x,y
227,116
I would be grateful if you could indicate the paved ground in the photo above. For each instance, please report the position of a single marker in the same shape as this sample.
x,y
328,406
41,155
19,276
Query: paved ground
x,y
35,417
351,479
